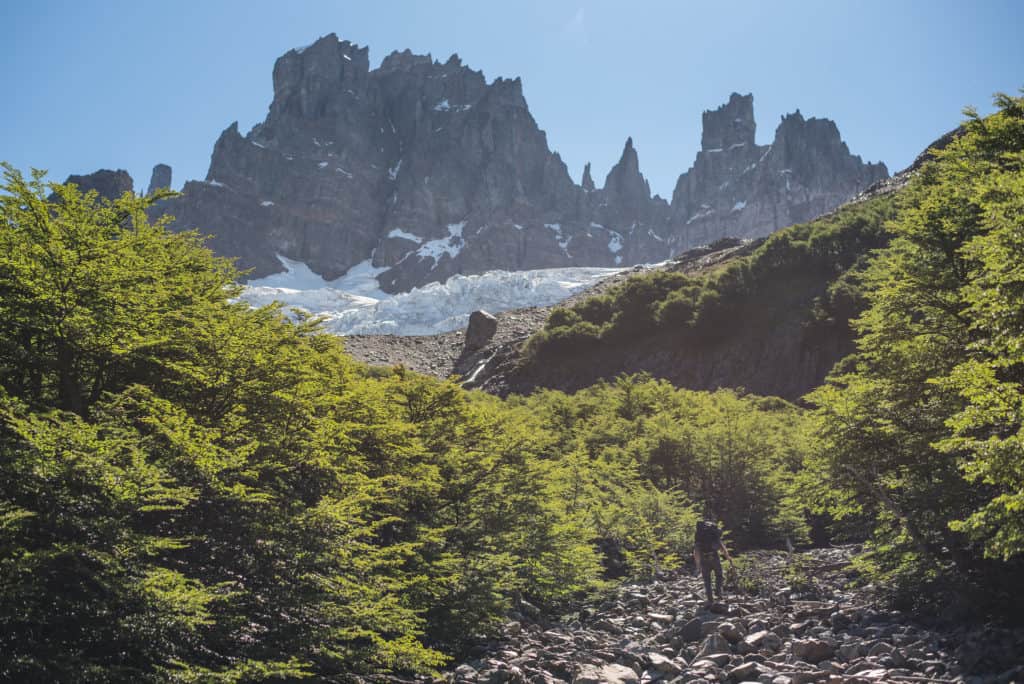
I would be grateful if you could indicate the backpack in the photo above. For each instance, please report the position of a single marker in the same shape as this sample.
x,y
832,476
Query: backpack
x,y
707,536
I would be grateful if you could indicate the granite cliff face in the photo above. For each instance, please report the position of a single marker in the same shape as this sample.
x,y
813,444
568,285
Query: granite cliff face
x,y
427,170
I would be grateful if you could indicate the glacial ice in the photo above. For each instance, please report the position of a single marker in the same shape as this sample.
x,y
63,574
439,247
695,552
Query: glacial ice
x,y
354,304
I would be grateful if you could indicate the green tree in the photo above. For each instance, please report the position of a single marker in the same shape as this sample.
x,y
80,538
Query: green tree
x,y
181,496
987,431
929,397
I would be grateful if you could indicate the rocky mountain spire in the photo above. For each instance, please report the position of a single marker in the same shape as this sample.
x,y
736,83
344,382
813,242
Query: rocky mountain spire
x,y
730,125
313,81
625,186
588,182
739,189
816,153
159,179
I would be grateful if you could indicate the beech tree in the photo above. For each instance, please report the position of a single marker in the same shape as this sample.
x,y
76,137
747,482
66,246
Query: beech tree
x,y
922,430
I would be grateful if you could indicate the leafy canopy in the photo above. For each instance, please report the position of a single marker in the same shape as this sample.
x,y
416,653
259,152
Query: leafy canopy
x,y
922,432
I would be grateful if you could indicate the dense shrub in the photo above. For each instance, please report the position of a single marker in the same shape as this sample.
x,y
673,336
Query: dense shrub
x,y
808,271
735,457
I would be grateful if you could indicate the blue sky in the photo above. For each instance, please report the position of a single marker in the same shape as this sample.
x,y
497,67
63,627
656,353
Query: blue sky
x,y
117,84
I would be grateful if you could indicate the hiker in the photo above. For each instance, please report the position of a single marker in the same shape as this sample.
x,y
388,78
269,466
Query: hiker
x,y
706,542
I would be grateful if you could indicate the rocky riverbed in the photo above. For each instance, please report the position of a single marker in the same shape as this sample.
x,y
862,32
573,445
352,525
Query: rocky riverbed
x,y
816,628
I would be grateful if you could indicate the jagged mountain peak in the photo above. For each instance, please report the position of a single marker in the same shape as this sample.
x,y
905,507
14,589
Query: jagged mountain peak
x,y
404,60
736,187
629,161
425,170
107,183
507,92
625,188
730,124
587,183
160,178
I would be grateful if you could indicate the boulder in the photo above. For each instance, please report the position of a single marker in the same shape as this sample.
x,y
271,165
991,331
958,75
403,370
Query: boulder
x,y
663,665
480,330
746,671
763,639
606,674
465,673
510,676
850,650
731,632
692,631
710,627
813,650
715,643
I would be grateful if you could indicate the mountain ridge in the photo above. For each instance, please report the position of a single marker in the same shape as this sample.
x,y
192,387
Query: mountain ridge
x,y
429,171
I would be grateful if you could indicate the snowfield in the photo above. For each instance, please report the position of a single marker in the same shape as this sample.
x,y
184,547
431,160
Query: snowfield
x,y
354,304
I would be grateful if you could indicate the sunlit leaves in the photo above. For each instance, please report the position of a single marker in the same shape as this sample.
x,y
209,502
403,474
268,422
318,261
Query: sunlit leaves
x,y
927,425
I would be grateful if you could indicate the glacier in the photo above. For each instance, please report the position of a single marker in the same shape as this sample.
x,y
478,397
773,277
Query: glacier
x,y
354,304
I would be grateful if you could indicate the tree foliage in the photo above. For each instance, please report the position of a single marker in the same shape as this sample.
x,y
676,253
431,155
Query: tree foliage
x,y
735,457
195,490
922,433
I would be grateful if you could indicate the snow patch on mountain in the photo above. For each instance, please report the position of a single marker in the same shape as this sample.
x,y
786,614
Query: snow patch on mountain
x,y
354,304
615,242
450,245
399,233
563,241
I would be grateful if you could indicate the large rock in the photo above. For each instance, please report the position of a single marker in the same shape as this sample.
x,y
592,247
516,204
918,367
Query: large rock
x,y
692,630
813,650
427,170
480,330
663,665
606,674
715,643
731,632
763,640
746,671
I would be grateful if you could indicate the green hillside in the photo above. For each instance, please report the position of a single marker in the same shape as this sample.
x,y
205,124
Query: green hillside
x,y
812,264
773,321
